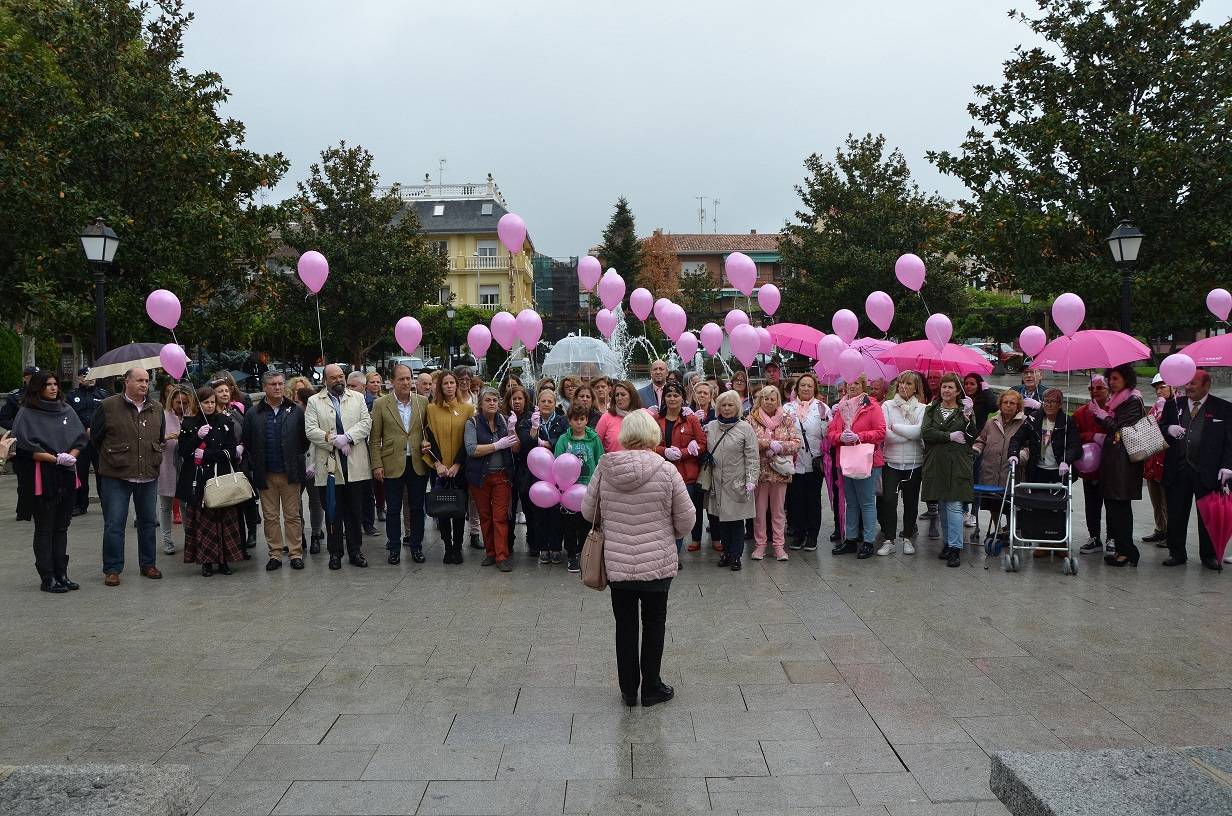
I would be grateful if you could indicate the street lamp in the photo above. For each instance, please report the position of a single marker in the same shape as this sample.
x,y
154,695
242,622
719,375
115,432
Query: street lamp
x,y
100,243
451,313
1025,298
1124,242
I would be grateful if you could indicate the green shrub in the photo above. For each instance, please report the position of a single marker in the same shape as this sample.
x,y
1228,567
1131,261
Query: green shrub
x,y
10,359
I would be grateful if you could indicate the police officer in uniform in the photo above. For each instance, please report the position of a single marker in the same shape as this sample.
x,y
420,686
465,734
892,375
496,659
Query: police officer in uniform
x,y
84,400
8,415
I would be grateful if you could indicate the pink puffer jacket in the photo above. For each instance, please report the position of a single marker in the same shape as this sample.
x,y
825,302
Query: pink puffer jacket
x,y
644,508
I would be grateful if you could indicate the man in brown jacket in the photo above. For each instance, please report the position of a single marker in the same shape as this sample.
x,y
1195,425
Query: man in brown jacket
x,y
128,431
394,451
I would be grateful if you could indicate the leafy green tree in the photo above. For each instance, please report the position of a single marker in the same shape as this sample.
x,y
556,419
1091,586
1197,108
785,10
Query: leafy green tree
x,y
621,250
381,267
859,213
698,297
1121,113
98,117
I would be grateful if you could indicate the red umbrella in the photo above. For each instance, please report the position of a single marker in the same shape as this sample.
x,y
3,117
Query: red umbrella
x,y
1093,348
1215,508
1213,351
922,355
796,337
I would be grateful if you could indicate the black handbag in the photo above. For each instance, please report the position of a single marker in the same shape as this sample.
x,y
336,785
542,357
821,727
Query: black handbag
x,y
446,500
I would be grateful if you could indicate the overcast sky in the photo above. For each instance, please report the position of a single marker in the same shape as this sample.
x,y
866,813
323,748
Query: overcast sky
x,y
572,104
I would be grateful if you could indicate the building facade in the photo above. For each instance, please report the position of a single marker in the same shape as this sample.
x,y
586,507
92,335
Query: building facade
x,y
561,303
459,221
703,254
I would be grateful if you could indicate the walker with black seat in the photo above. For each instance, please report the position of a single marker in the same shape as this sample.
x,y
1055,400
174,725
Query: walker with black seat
x,y
1041,518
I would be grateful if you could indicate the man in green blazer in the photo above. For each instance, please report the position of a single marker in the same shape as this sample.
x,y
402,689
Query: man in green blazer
x,y
394,450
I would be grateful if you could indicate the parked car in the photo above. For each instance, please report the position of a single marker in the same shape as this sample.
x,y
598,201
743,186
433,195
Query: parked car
x,y
1005,358
979,348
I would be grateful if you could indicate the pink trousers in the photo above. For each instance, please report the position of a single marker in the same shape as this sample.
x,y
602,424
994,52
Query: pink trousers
x,y
773,495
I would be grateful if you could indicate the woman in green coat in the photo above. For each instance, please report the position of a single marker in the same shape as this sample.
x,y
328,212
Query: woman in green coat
x,y
948,431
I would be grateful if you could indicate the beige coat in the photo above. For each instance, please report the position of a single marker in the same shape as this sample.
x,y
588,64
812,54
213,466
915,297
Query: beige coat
x,y
319,420
736,464
387,444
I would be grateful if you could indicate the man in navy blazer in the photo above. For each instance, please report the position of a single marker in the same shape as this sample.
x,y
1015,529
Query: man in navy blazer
x,y
1198,429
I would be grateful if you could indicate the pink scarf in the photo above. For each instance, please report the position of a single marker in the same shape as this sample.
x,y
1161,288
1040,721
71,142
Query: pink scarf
x,y
771,421
1119,397
847,409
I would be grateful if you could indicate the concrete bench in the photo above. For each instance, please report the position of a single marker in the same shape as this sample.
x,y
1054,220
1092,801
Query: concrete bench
x,y
1122,782
96,790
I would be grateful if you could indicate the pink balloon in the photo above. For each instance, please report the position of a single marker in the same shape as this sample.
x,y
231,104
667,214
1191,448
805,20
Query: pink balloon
x,y
1177,370
845,324
938,330
572,498
741,272
659,306
530,327
408,333
736,317
765,343
768,297
511,230
744,344
850,364
1032,340
566,470
641,302
504,329
1219,301
828,350
880,309
1068,312
712,338
673,321
909,270
1091,456
588,271
173,360
313,270
479,338
163,307
544,494
686,346
606,321
539,461
611,289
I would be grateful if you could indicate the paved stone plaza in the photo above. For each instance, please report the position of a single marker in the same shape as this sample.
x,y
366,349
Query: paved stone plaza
x,y
819,686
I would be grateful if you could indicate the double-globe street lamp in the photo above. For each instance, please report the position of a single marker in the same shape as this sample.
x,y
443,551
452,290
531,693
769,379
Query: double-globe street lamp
x,y
100,243
1125,241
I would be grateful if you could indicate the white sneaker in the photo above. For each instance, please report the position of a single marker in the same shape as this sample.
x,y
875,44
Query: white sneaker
x,y
886,548
521,517
908,547
969,521
168,548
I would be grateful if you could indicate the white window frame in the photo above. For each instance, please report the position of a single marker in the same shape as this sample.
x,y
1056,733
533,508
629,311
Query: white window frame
x,y
489,295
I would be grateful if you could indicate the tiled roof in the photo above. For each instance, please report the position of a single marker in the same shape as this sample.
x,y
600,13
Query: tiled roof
x,y
718,244
457,217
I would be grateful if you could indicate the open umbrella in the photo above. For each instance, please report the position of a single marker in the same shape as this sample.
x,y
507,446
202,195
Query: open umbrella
x,y
120,360
870,349
922,355
1092,348
1215,508
586,356
1211,352
796,337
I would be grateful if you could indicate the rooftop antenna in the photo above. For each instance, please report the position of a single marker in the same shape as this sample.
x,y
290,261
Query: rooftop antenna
x,y
701,213
440,176
716,216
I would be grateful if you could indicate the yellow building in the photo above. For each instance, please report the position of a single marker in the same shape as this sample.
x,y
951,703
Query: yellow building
x,y
460,221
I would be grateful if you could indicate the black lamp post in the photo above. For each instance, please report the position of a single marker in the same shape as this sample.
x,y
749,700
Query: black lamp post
x,y
450,313
100,243
1124,242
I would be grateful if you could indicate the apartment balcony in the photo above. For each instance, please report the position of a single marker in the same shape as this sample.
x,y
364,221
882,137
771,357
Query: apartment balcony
x,y
483,190
501,262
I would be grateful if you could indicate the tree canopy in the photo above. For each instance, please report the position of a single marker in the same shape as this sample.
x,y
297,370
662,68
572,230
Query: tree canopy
x,y
621,250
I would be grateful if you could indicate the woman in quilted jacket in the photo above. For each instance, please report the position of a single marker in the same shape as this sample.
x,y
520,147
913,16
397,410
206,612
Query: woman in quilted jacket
x,y
642,505
778,439
682,441
857,420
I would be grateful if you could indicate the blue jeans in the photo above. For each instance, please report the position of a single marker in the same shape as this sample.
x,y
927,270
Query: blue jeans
x,y
951,513
861,496
115,499
416,485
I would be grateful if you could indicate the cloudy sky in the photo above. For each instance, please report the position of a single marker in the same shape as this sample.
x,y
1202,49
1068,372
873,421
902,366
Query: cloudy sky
x,y
572,104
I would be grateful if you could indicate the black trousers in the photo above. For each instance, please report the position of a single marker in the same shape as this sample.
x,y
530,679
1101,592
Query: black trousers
x,y
731,533
23,469
87,457
631,669
346,523
698,496
369,504
1093,501
52,514
804,505
574,529
543,531
1181,488
1121,526
893,481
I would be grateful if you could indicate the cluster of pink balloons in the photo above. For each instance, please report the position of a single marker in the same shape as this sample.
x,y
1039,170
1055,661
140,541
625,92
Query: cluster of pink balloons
x,y
506,330
557,479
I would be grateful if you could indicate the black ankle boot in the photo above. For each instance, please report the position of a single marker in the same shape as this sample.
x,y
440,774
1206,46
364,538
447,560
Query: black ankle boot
x,y
846,547
50,584
67,583
865,551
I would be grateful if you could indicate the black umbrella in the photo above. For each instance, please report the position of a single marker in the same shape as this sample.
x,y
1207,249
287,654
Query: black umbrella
x,y
120,360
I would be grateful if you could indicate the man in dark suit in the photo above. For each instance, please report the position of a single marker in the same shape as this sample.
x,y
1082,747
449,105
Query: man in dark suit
x,y
652,393
1198,429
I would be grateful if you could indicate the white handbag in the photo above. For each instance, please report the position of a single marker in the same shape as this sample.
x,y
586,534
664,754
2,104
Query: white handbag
x,y
227,490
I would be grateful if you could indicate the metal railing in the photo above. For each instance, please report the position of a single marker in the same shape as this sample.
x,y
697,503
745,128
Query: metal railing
x,y
469,190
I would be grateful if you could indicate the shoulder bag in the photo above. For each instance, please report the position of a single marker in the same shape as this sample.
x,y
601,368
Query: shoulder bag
x,y
1143,439
227,490
594,571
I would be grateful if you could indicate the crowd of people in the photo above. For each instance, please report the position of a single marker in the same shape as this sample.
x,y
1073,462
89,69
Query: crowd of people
x,y
754,462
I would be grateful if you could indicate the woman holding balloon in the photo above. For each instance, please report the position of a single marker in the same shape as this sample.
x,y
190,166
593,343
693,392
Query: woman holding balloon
x,y
682,442
543,429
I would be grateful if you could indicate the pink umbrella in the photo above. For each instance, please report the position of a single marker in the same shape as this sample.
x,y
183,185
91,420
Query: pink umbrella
x,y
1092,348
1213,351
922,355
871,349
796,337
1216,511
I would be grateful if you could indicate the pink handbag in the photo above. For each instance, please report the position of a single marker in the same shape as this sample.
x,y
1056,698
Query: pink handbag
x,y
857,460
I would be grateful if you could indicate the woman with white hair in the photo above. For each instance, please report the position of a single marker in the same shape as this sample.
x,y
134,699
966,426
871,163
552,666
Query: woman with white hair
x,y
632,493
731,465
778,440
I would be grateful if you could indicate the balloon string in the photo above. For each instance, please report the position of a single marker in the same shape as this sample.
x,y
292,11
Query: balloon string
x,y
925,302
320,337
